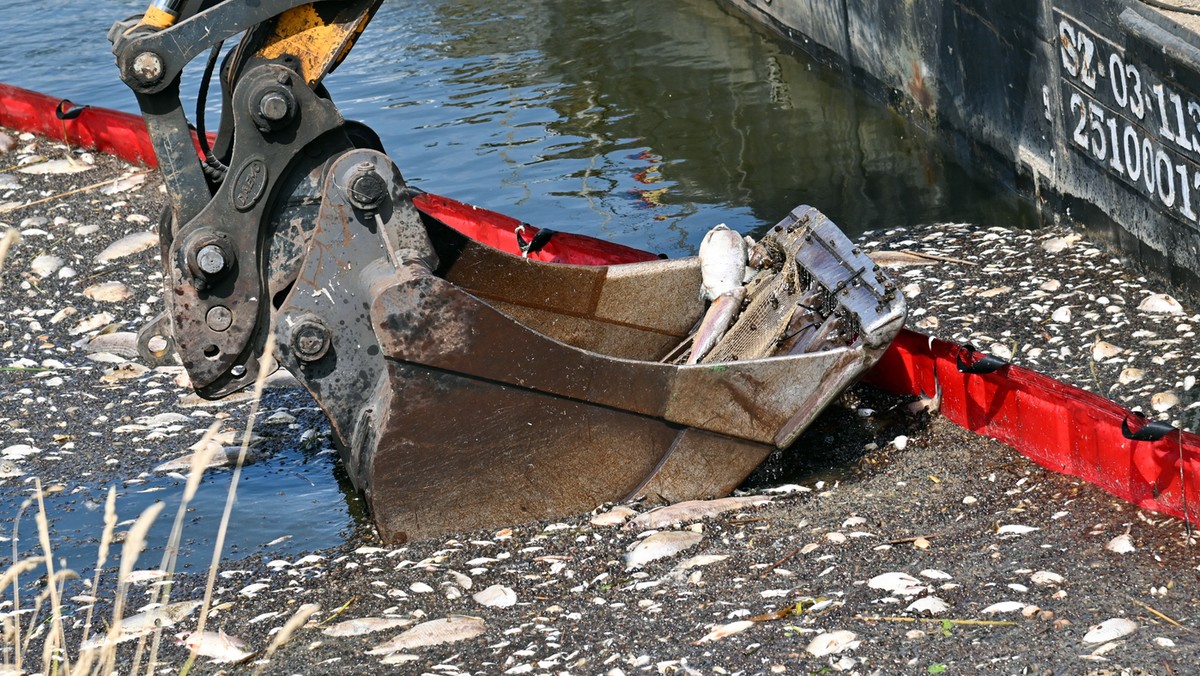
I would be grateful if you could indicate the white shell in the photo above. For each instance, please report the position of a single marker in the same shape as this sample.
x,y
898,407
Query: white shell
x,y
92,323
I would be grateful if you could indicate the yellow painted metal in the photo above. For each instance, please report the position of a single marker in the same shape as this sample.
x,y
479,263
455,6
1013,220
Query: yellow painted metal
x,y
317,44
157,18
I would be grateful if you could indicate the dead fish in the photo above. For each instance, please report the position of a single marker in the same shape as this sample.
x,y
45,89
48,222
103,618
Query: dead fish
x,y
220,457
19,451
1110,630
92,323
108,292
145,622
1122,544
1102,350
661,545
1160,303
216,645
496,596
898,583
722,270
124,184
928,604
365,625
9,469
126,246
123,371
722,262
121,343
140,576
693,510
435,632
163,419
904,257
63,166
832,642
717,319
1003,607
7,143
613,517
722,630
10,239
45,265
1060,244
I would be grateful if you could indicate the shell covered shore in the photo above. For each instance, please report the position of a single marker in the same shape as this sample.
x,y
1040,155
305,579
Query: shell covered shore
x,y
887,540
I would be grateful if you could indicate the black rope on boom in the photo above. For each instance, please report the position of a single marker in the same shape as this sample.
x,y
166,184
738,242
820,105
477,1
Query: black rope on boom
x,y
213,168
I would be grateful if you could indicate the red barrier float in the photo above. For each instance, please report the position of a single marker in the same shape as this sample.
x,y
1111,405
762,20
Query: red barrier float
x,y
1061,427
1058,426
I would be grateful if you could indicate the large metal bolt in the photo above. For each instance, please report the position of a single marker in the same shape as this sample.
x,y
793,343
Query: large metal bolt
x,y
367,188
148,68
211,260
219,318
310,338
273,106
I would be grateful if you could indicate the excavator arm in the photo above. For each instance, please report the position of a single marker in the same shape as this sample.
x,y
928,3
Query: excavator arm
x,y
466,387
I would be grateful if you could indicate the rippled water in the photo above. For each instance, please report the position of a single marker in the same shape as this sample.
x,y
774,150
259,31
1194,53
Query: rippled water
x,y
641,122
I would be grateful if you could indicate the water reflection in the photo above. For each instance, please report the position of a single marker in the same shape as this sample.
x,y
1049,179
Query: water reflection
x,y
650,122
641,122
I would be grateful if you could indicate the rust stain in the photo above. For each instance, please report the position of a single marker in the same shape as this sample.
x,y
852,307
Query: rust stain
x,y
919,90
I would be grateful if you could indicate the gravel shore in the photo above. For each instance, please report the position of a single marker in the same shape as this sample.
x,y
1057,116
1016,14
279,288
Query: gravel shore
x,y
893,542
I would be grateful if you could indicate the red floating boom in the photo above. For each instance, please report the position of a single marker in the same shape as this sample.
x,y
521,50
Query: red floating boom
x,y
1058,426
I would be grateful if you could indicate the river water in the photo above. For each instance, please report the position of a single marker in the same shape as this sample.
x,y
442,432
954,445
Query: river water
x,y
641,122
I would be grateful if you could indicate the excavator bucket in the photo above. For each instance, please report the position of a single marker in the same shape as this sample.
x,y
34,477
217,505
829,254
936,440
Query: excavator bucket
x,y
505,390
467,386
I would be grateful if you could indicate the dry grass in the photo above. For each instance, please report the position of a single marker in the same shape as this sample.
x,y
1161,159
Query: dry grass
x,y
66,647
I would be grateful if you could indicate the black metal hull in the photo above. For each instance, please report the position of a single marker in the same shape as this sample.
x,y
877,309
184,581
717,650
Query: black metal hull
x,y
1038,94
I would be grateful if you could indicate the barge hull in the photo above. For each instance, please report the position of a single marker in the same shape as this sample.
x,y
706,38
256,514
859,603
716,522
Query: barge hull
x,y
1089,108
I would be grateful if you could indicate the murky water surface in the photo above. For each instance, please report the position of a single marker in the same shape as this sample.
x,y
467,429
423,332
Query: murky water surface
x,y
641,122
